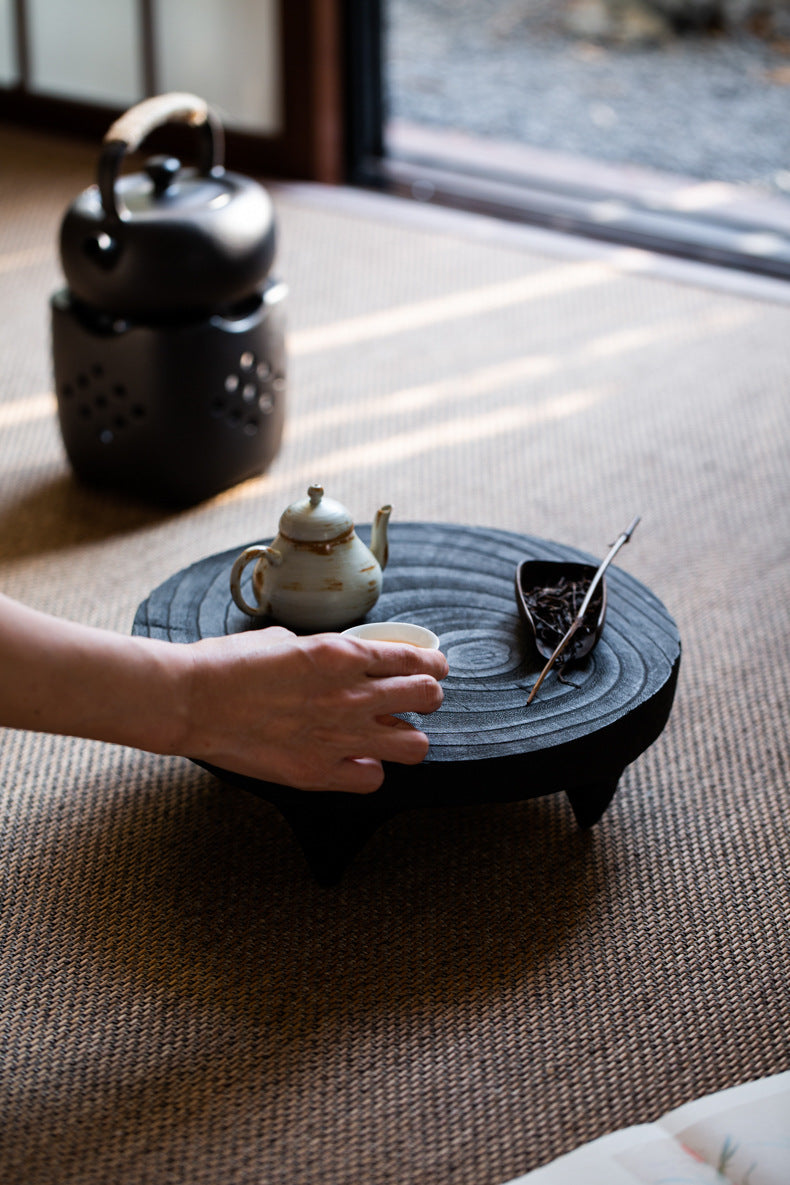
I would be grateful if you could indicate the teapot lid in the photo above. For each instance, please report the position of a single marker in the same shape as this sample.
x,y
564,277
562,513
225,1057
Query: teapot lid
x,y
315,519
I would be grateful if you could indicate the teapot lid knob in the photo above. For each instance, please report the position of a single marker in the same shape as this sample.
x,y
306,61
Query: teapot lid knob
x,y
315,494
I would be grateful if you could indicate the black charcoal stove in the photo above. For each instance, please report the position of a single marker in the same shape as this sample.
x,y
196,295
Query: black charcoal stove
x,y
169,342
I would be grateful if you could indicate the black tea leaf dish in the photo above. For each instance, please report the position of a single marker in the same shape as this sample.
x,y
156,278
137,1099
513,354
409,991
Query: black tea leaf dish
x,y
549,594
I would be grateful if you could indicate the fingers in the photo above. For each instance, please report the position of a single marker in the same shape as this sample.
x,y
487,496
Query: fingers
x,y
390,658
387,739
364,775
359,775
404,744
410,693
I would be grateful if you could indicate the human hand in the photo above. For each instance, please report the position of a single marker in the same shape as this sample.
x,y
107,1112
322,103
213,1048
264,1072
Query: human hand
x,y
314,712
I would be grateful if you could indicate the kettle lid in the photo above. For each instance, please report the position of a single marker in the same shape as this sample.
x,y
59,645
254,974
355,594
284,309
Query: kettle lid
x,y
315,519
166,190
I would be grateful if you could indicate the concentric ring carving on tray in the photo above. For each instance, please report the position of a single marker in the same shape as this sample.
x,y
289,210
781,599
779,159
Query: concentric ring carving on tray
x,y
458,581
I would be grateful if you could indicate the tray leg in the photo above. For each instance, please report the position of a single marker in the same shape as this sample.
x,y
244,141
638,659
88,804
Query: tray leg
x,y
330,839
589,802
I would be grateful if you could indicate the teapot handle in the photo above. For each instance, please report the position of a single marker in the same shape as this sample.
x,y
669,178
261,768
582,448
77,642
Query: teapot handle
x,y
129,131
246,557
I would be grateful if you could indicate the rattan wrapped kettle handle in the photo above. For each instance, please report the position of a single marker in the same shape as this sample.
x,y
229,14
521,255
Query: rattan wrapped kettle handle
x,y
131,129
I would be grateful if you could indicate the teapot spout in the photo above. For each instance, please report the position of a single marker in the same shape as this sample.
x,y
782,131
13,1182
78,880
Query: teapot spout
x,y
379,544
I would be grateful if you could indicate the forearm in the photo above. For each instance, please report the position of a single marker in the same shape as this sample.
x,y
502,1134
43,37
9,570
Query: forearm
x,y
61,677
317,713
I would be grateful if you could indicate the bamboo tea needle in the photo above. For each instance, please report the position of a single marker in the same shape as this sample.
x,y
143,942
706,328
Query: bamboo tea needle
x,y
579,618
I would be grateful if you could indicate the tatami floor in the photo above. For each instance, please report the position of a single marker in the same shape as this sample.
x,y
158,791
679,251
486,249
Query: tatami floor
x,y
488,987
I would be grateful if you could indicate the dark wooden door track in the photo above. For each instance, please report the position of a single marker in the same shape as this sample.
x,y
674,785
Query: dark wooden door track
x,y
486,744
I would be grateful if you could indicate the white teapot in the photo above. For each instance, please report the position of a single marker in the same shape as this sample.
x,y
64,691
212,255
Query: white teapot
x,y
316,574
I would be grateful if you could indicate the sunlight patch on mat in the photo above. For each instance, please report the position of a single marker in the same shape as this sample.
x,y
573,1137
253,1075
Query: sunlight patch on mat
x,y
14,260
432,439
526,368
471,303
24,411
426,395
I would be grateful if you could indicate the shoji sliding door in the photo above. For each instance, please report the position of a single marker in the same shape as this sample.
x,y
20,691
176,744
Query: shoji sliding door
x,y
271,68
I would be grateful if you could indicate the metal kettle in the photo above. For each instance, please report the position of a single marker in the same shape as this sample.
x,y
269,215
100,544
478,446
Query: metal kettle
x,y
170,240
169,340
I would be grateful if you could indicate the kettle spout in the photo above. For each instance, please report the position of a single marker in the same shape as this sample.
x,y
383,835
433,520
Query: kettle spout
x,y
379,544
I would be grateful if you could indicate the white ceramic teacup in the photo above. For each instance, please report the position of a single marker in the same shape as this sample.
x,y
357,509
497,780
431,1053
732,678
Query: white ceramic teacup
x,y
396,631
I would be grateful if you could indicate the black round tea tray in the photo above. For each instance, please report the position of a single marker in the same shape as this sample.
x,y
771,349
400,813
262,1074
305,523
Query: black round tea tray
x,y
486,745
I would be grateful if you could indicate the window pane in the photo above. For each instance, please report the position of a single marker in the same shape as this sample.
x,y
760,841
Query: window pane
x,y
85,49
701,103
8,70
226,51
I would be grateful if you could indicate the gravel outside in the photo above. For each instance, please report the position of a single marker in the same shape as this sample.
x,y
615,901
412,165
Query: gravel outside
x,y
713,107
